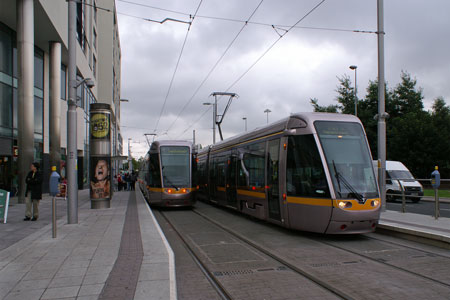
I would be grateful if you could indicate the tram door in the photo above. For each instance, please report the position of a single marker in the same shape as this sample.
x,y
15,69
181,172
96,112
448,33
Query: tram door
x,y
273,190
231,181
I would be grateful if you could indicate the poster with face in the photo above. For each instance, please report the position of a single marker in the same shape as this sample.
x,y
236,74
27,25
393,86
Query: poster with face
x,y
100,178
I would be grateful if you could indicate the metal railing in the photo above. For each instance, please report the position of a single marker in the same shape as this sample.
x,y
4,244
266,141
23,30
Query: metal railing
x,y
397,189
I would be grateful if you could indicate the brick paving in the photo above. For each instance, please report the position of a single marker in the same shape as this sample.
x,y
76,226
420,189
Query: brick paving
x,y
122,280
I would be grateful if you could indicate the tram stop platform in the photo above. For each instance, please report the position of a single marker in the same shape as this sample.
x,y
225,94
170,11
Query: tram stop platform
x,y
416,227
115,253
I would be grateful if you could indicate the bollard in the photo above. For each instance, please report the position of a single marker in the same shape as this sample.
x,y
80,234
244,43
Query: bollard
x,y
403,197
54,216
436,204
54,190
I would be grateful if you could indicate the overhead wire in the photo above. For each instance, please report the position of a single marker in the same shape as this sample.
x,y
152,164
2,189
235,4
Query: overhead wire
x,y
264,53
238,20
176,67
214,67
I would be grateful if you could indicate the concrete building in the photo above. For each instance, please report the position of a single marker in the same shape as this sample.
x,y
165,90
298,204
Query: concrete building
x,y
34,84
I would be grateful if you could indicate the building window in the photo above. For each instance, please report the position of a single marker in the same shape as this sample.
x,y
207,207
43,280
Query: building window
x,y
38,116
95,39
63,82
95,12
5,109
39,69
38,93
94,67
80,92
6,83
81,32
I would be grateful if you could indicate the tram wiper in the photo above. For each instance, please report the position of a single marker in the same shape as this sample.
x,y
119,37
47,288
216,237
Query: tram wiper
x,y
166,179
347,185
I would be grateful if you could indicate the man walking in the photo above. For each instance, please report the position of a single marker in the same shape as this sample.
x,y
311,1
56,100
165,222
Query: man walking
x,y
34,186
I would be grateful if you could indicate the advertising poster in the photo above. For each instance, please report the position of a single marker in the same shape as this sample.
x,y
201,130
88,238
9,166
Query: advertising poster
x,y
100,126
100,177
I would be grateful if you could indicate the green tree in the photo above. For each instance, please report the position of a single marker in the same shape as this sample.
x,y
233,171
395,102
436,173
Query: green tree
x,y
440,143
318,108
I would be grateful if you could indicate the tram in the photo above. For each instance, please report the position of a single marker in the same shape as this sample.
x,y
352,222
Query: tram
x,y
310,172
166,176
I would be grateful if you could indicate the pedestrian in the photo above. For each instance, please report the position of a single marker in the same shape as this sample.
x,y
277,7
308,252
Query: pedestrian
x,y
119,182
34,186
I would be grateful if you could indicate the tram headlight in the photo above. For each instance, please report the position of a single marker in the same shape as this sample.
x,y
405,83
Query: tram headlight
x,y
375,203
345,204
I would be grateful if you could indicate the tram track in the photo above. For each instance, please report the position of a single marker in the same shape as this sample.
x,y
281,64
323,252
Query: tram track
x,y
215,284
383,262
421,254
212,276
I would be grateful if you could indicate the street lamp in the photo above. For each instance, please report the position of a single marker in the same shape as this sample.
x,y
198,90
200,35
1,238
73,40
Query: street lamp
x,y
72,149
130,165
214,118
267,111
245,120
353,67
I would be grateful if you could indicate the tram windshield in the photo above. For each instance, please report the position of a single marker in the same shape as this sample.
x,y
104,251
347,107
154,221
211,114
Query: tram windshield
x,y
348,159
175,166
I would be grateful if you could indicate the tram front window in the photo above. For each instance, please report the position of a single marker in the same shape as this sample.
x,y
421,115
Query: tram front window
x,y
175,163
348,159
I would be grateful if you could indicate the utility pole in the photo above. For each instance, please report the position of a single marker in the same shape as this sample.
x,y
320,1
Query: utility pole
x,y
381,108
72,176
130,162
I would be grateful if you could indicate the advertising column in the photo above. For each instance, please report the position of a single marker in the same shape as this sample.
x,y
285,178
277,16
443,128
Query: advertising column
x,y
100,155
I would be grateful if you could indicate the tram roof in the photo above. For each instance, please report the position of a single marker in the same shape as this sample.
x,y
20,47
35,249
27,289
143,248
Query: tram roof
x,y
297,120
157,144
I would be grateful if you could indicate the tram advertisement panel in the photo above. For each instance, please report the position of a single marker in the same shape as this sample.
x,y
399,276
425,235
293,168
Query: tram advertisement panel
x,y
100,126
100,177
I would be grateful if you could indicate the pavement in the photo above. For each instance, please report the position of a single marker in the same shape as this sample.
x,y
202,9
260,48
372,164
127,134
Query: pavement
x,y
116,253
79,263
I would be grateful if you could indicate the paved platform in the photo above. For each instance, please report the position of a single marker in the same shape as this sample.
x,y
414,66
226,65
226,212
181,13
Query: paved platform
x,y
78,263
422,226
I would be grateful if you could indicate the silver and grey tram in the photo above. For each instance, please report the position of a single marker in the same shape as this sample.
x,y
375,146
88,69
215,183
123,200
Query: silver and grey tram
x,y
310,172
166,176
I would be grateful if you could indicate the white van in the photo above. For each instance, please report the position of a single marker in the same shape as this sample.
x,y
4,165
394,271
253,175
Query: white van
x,y
399,178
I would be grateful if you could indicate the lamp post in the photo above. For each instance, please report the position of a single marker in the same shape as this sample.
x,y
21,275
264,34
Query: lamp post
x,y
267,111
245,120
130,163
353,67
214,118
116,136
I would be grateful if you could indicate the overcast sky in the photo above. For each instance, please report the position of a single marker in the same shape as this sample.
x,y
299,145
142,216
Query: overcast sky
x,y
264,70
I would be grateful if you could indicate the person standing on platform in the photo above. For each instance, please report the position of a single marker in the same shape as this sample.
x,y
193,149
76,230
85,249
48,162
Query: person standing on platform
x,y
34,186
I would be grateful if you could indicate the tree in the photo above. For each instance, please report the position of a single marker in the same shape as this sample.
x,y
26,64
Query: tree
x,y
440,143
418,138
318,108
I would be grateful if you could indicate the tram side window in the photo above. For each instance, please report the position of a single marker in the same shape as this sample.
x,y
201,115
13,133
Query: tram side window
x,y
202,175
305,176
155,175
254,160
220,171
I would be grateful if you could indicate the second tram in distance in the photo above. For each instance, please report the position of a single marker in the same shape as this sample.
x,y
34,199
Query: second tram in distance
x,y
166,175
310,171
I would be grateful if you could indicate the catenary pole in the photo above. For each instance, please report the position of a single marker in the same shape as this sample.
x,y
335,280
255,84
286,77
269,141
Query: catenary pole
x,y
72,176
381,107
